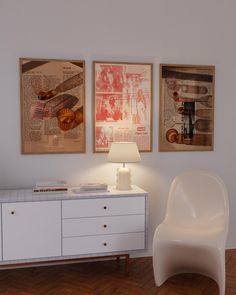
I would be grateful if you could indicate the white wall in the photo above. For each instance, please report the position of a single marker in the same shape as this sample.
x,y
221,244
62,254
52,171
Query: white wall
x,y
157,31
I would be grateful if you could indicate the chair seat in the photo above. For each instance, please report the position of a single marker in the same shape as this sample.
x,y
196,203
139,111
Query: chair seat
x,y
176,232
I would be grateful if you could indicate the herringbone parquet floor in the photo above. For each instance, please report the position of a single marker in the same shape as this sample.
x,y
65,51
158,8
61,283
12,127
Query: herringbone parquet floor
x,y
102,278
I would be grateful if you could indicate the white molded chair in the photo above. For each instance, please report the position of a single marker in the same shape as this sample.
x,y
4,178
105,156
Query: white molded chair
x,y
193,234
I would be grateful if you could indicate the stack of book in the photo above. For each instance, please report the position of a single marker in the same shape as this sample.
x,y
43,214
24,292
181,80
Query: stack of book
x,y
91,187
59,186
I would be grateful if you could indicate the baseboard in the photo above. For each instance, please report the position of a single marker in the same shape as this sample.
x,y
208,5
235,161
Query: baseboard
x,y
149,252
231,247
141,254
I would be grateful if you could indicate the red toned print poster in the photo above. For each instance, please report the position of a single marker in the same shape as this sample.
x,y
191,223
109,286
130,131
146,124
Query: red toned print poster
x,y
122,104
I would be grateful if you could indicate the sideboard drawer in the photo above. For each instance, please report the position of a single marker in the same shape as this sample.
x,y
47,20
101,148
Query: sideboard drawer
x,y
103,225
103,243
103,207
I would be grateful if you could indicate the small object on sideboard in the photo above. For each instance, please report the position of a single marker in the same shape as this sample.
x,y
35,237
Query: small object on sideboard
x,y
50,190
58,186
91,187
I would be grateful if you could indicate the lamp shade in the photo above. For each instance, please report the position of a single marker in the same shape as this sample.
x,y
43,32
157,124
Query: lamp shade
x,y
123,152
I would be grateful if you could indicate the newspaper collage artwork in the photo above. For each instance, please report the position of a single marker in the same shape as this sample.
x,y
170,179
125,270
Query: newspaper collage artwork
x,y
53,106
186,108
122,104
52,100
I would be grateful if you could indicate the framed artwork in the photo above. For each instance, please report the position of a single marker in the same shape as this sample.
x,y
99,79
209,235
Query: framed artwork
x,y
186,108
52,106
122,104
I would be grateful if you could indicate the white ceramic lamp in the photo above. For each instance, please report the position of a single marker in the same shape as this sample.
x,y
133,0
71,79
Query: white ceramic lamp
x,y
123,152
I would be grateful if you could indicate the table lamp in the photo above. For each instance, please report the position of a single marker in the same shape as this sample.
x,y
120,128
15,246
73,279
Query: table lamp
x,y
123,152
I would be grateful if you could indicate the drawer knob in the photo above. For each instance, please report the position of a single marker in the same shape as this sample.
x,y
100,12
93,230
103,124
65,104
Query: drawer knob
x,y
12,212
104,244
104,207
104,225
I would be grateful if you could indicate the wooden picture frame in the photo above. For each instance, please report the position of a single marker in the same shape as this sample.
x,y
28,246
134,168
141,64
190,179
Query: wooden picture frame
x,y
122,104
186,109
52,106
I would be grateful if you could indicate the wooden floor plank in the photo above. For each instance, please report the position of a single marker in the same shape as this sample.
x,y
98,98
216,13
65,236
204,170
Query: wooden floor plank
x,y
102,278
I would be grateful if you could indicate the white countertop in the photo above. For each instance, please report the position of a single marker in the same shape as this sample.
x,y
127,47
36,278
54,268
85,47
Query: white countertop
x,y
27,195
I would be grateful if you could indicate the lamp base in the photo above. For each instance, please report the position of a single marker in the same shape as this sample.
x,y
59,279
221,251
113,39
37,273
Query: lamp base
x,y
123,179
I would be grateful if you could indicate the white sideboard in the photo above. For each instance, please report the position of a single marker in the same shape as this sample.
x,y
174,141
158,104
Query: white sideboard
x,y
39,228
0,236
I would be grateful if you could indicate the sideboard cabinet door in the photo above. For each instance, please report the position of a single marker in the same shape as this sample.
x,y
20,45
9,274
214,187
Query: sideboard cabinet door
x,y
31,230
